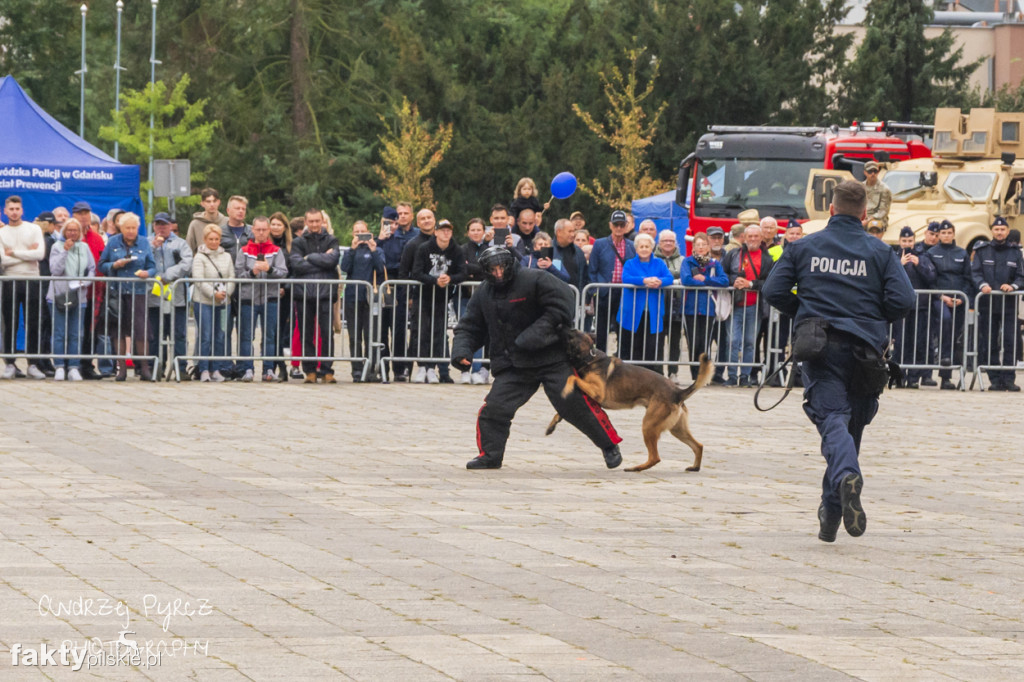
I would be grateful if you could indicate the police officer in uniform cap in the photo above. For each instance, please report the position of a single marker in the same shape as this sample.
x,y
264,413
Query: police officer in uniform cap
x,y
853,284
911,334
518,313
930,239
998,266
952,273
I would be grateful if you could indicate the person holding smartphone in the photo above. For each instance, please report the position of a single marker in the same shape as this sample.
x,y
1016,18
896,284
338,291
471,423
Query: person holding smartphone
x,y
363,263
910,335
501,234
542,257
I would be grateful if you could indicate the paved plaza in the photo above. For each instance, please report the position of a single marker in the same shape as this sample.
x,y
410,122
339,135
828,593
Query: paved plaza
x,y
290,532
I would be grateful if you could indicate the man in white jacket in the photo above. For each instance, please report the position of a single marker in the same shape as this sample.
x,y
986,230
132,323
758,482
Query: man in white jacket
x,y
22,248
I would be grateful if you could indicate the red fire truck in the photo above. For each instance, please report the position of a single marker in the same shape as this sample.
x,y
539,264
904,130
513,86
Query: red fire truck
x,y
735,168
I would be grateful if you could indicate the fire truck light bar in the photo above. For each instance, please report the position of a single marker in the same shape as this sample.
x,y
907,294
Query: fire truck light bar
x,y
779,130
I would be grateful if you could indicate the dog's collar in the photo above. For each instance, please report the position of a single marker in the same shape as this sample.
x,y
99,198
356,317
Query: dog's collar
x,y
592,357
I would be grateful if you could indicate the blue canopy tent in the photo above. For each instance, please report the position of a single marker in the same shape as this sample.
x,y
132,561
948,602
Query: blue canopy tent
x,y
47,165
666,214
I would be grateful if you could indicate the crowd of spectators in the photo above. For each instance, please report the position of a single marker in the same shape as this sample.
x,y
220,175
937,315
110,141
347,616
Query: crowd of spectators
x,y
114,292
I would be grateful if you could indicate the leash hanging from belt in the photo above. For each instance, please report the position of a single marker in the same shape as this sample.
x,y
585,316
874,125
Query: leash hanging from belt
x,y
789,384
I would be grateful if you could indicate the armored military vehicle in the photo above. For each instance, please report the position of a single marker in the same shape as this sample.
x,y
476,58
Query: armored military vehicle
x,y
974,174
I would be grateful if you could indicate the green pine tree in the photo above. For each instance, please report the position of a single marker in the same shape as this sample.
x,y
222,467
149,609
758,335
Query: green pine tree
x,y
179,130
898,73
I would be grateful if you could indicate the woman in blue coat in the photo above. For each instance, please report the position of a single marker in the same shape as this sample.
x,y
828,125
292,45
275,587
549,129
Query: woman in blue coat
x,y
700,270
641,311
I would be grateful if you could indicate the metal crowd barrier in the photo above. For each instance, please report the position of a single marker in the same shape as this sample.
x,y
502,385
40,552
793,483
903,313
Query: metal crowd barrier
x,y
737,342
74,331
935,336
998,345
415,326
275,322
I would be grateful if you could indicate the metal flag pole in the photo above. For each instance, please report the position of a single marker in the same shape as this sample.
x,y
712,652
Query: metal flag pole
x,y
152,90
81,72
117,70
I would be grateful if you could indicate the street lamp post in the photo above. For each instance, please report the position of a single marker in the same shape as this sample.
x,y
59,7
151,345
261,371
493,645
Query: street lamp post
x,y
117,70
81,72
152,90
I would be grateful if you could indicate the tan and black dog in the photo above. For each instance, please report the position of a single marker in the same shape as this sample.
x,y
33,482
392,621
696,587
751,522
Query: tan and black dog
x,y
615,385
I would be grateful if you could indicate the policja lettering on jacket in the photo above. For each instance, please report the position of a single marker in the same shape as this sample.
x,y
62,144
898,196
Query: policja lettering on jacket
x,y
839,266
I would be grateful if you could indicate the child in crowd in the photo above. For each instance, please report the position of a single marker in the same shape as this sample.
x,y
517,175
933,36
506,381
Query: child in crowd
x,y
526,197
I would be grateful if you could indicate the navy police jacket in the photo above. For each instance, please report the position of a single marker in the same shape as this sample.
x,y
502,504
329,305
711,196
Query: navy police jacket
x,y
846,276
998,263
922,275
952,268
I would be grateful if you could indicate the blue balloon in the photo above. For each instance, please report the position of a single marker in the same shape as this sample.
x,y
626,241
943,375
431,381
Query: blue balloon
x,y
563,185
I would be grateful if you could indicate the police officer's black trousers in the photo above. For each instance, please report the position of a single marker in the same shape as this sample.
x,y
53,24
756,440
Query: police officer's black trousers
x,y
953,324
911,336
514,387
997,338
839,413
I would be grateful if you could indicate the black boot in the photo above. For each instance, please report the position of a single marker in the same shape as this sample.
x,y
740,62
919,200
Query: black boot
x,y
828,523
484,462
854,517
612,457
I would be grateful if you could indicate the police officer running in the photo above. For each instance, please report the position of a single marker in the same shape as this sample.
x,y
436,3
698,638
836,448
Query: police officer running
x,y
998,266
517,313
851,284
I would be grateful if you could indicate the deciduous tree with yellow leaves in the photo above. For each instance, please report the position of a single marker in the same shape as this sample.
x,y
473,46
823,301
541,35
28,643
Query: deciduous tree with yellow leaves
x,y
409,152
630,133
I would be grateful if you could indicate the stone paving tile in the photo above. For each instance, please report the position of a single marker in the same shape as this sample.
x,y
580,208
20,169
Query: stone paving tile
x,y
346,541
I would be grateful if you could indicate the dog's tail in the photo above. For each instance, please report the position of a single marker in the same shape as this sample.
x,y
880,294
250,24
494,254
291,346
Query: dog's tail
x,y
707,369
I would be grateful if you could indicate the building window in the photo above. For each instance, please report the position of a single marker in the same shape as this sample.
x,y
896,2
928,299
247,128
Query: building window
x,y
1010,132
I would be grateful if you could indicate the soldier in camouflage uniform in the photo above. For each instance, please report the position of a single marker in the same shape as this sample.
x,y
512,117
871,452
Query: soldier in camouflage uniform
x,y
879,196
